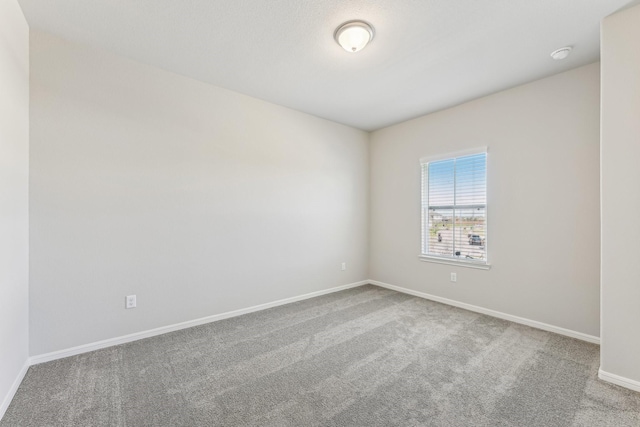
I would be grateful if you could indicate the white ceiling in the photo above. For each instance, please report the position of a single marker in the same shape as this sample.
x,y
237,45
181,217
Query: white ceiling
x,y
427,54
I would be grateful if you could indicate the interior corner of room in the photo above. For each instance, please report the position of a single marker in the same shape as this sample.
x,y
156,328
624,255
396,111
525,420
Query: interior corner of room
x,y
120,178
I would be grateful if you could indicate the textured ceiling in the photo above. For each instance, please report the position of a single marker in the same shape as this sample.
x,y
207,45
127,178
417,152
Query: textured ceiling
x,y
427,54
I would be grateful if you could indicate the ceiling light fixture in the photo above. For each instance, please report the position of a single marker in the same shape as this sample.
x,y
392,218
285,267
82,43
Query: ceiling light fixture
x,y
561,53
354,35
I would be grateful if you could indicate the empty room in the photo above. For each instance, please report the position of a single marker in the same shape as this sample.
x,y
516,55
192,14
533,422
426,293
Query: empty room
x,y
319,213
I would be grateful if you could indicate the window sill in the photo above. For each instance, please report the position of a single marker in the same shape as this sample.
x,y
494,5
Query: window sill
x,y
467,264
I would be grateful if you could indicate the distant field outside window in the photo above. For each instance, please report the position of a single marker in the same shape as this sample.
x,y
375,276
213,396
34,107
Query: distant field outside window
x,y
454,208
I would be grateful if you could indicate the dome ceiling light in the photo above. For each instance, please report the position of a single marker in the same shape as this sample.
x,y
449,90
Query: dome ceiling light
x,y
354,35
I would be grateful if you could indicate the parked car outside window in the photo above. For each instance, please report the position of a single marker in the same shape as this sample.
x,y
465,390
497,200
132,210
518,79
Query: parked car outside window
x,y
474,239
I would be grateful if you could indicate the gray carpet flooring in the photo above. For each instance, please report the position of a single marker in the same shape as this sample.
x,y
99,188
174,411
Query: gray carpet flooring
x,y
362,357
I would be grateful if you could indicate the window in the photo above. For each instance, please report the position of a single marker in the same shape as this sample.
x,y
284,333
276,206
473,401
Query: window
x,y
454,208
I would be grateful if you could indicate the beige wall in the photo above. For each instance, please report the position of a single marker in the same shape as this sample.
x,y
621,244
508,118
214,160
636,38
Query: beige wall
x,y
620,351
543,201
197,199
14,187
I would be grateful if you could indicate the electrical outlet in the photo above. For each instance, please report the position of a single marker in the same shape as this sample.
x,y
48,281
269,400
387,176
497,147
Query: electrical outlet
x,y
454,277
130,301
344,266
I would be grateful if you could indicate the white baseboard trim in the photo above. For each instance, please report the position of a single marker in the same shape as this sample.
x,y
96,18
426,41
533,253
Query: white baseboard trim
x,y
85,348
14,387
493,313
618,380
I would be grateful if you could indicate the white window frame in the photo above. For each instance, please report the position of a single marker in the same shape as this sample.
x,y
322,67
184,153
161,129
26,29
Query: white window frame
x,y
424,221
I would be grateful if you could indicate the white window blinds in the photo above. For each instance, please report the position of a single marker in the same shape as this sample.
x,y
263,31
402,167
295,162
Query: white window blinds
x,y
454,208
